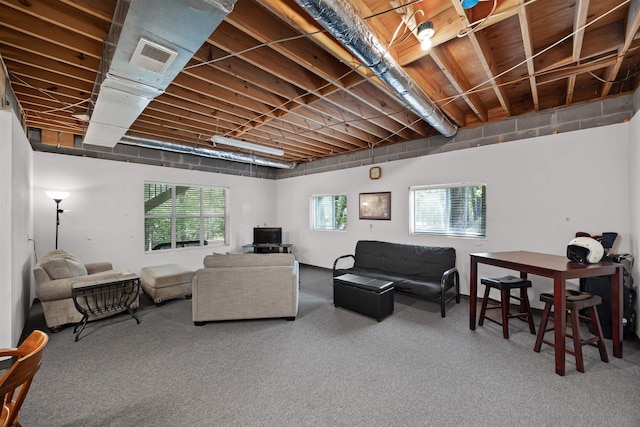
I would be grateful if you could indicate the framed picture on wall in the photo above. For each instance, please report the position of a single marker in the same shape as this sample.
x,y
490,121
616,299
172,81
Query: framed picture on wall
x,y
375,205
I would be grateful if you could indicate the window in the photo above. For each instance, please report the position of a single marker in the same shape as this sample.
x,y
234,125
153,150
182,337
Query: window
x,y
449,210
177,216
329,212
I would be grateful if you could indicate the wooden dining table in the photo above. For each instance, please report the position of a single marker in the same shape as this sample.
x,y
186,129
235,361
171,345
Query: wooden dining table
x,y
560,269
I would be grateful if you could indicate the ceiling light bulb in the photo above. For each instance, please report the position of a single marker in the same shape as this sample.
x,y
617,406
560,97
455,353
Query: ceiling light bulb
x,y
426,44
425,30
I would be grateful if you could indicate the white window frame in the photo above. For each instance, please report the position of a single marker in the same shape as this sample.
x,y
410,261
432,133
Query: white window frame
x,y
444,230
312,209
202,216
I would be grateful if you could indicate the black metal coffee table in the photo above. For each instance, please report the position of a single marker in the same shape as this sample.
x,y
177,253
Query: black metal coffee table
x,y
108,297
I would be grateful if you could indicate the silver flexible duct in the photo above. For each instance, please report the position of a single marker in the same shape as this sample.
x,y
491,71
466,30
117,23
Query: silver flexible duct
x,y
205,152
343,22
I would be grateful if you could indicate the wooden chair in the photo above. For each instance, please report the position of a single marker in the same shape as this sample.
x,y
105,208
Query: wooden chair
x,y
15,383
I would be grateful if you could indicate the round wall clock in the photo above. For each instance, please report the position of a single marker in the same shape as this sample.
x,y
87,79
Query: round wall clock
x,y
375,172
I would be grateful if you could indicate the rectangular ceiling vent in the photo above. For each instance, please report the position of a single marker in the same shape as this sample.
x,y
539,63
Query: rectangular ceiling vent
x,y
152,56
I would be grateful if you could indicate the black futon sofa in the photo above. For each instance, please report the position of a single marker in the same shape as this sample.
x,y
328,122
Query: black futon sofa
x,y
425,272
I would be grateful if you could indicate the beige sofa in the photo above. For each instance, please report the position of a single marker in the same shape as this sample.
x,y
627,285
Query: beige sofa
x,y
245,286
56,273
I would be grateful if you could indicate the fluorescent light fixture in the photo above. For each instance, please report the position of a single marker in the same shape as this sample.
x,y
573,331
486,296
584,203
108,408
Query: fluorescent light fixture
x,y
217,139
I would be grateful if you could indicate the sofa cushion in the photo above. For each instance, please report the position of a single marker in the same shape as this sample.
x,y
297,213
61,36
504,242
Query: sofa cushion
x,y
247,260
421,262
64,267
422,288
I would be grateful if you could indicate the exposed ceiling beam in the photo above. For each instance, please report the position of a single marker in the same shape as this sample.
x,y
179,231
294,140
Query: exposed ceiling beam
x,y
527,44
633,23
579,21
485,58
449,23
308,94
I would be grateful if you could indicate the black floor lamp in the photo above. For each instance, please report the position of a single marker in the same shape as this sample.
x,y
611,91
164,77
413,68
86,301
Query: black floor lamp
x,y
57,197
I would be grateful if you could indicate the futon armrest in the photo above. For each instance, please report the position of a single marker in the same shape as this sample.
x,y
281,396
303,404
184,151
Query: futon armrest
x,y
97,267
335,263
451,273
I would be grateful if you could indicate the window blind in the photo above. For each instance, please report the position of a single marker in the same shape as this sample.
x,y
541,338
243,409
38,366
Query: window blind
x,y
450,210
179,216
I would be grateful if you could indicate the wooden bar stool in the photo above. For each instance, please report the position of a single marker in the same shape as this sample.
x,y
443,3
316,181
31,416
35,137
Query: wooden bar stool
x,y
575,301
505,285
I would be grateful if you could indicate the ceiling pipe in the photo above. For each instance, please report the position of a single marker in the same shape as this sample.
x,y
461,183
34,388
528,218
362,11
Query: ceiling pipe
x,y
206,152
342,21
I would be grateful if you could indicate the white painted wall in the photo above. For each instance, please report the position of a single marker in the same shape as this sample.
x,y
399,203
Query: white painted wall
x,y
6,290
634,198
540,191
105,221
16,227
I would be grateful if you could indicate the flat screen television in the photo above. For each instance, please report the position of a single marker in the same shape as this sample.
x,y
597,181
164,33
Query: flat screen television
x,y
267,235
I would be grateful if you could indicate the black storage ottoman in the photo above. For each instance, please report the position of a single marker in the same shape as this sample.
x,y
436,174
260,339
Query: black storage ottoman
x,y
371,297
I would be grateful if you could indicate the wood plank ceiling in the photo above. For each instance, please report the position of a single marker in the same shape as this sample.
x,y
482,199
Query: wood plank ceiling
x,y
271,75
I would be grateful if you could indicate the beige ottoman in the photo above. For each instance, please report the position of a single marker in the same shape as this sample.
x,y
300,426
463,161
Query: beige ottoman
x,y
164,282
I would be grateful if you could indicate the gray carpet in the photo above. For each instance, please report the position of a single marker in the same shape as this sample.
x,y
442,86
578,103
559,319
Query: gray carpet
x,y
329,367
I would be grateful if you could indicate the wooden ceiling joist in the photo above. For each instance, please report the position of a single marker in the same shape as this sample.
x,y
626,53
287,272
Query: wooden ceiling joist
x,y
271,75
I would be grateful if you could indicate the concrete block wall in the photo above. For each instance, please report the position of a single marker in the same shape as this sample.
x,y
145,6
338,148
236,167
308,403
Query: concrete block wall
x,y
149,156
579,116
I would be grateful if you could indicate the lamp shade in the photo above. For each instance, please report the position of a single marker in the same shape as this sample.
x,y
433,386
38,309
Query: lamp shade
x,y
57,195
468,4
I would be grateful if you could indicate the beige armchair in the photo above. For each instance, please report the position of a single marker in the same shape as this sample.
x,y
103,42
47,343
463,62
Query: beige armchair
x,y
245,286
56,273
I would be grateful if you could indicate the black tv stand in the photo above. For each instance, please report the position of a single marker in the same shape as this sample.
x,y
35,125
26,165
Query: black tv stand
x,y
269,248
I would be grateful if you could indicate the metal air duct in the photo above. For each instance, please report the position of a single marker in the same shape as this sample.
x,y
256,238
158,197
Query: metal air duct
x,y
148,44
206,152
343,22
